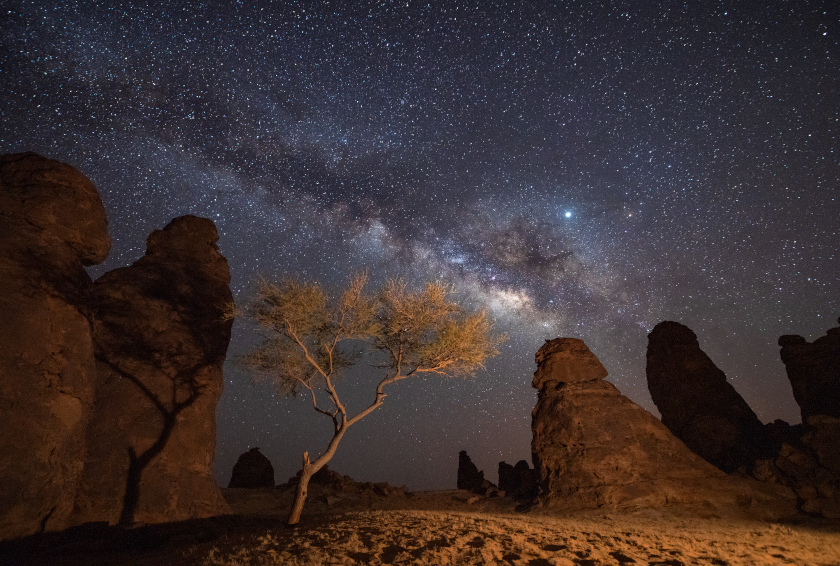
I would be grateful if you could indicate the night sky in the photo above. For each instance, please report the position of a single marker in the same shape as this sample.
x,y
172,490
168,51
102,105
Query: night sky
x,y
581,169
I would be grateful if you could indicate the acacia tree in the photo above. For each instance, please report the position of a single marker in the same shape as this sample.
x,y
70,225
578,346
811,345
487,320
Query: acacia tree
x,y
311,340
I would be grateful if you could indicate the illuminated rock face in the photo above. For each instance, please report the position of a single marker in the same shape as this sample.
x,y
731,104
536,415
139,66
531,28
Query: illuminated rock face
x,y
593,447
68,410
52,222
160,345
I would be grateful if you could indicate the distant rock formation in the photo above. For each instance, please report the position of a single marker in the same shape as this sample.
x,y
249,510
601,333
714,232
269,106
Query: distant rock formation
x,y
340,483
809,458
814,372
252,470
698,405
471,479
593,447
160,344
52,223
519,481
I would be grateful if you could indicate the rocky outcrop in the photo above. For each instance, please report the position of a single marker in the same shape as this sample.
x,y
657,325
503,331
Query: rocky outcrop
x,y
160,344
593,447
52,223
345,485
519,481
814,372
471,479
809,458
810,466
103,385
252,470
698,405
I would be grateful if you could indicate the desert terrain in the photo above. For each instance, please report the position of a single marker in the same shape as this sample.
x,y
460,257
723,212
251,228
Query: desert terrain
x,y
383,525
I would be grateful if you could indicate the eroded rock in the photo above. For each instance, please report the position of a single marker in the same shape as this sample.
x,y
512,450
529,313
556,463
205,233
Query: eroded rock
x,y
814,372
698,405
52,223
471,479
252,470
518,481
809,458
594,447
160,344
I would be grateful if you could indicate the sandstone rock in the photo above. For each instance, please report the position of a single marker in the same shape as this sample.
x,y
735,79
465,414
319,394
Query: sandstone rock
x,y
519,481
810,465
469,477
698,405
593,447
566,360
252,470
347,485
160,344
809,458
52,222
814,372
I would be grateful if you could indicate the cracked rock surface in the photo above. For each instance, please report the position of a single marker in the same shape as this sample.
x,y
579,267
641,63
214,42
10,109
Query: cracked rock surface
x,y
52,223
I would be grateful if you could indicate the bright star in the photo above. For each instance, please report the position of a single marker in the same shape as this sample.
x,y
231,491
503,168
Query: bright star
x,y
568,214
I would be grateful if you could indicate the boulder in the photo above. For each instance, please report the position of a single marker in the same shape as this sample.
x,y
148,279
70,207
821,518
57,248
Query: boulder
x,y
594,448
52,223
160,342
252,470
814,372
698,405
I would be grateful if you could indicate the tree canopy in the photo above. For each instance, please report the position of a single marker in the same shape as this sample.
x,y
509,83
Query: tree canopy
x,y
312,339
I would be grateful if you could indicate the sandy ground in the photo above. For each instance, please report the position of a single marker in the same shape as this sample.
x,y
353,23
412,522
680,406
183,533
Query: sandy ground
x,y
445,527
452,527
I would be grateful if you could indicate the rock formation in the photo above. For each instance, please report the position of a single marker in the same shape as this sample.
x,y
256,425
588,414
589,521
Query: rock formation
x,y
814,372
252,470
698,405
519,481
471,479
103,385
810,466
160,344
593,447
341,484
52,223
809,458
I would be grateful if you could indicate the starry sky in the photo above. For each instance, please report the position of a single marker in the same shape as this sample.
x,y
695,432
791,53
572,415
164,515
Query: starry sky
x,y
582,169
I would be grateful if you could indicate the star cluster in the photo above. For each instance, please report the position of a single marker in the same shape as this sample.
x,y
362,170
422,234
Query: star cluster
x,y
580,169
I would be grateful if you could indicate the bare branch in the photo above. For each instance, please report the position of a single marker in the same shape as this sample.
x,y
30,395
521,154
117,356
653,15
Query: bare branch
x,y
417,332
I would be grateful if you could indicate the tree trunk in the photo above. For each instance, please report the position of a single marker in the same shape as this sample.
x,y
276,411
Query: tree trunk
x,y
300,491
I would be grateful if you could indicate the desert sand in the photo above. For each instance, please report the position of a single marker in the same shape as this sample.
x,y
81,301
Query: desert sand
x,y
368,526
455,527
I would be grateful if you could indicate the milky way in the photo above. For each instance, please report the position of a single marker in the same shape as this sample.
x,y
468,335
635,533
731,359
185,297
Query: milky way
x,y
579,169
